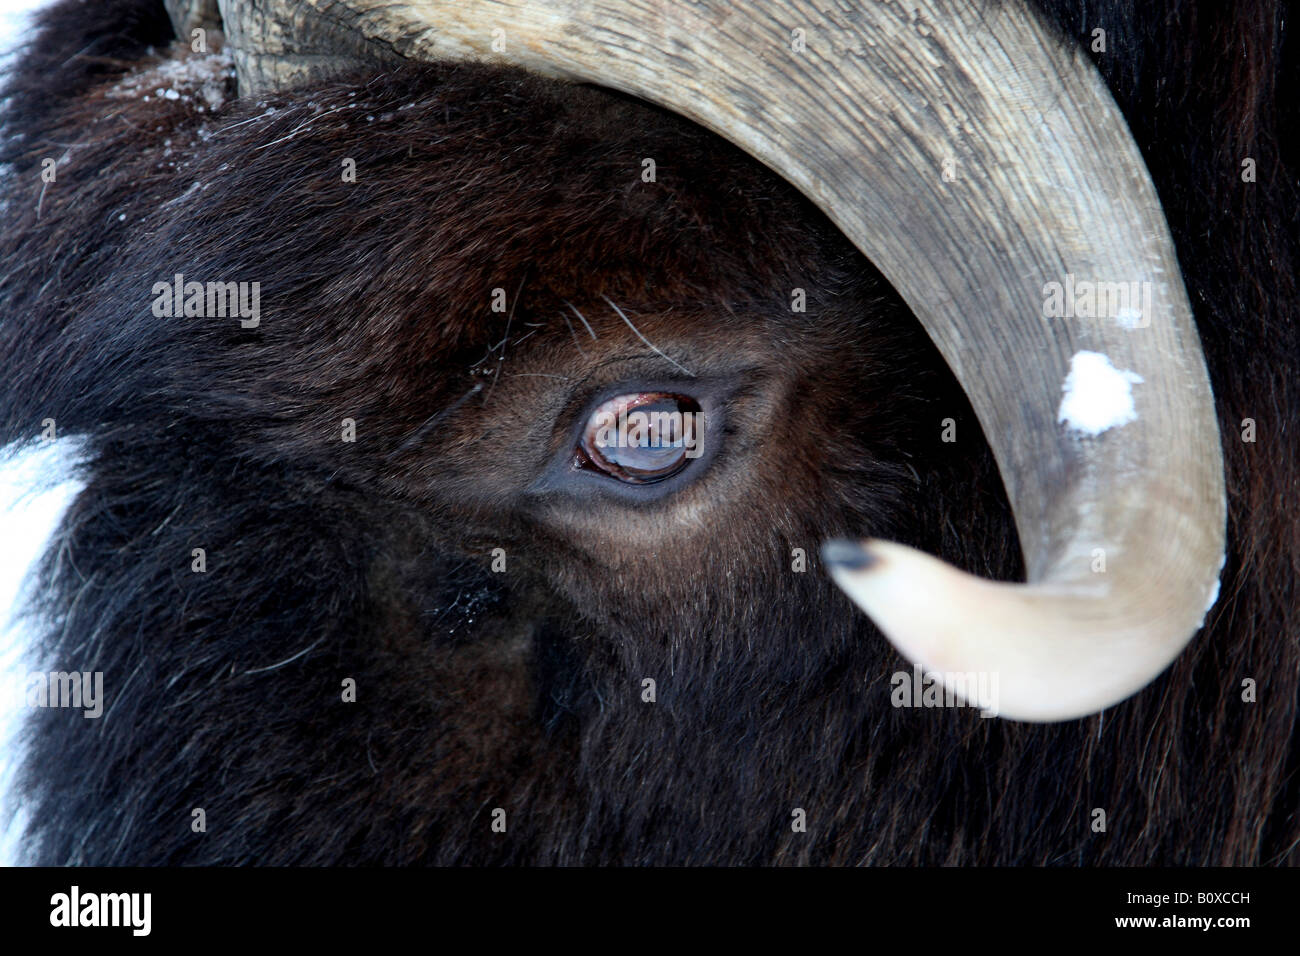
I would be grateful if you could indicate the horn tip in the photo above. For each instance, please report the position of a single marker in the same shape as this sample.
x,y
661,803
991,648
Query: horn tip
x,y
847,555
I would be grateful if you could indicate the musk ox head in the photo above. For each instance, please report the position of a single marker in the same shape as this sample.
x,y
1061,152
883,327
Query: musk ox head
x,y
376,295
1057,188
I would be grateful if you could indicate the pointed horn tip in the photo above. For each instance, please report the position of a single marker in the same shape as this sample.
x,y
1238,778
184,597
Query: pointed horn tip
x,y
1056,658
840,554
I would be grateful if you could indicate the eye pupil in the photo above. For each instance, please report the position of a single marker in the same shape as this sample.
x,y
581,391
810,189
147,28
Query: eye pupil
x,y
642,437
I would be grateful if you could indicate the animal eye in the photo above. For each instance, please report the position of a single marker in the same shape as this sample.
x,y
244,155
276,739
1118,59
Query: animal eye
x,y
642,437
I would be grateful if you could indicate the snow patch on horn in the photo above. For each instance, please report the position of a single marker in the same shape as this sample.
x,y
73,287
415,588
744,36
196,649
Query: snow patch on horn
x,y
1213,598
1098,396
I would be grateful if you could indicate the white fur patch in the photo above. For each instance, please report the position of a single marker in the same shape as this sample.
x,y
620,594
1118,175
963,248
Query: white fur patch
x,y
36,487
15,27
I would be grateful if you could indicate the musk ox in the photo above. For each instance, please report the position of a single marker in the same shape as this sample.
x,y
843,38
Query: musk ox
x,y
482,406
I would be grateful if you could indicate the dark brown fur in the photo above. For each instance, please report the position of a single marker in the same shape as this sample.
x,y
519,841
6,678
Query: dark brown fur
x,y
522,690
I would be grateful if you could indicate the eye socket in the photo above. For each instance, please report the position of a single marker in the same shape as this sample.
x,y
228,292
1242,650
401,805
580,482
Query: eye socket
x,y
641,437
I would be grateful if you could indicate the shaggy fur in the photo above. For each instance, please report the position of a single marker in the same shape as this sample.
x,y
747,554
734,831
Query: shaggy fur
x,y
522,690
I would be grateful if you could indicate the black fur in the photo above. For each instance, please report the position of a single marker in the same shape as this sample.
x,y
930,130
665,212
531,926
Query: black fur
x,y
522,690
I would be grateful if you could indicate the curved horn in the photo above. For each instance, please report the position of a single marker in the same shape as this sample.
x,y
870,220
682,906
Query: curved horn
x,y
861,106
